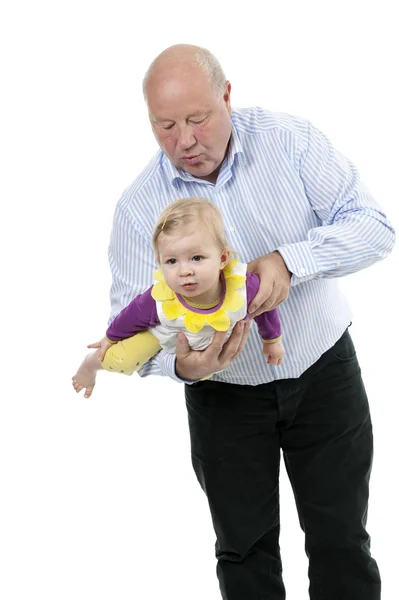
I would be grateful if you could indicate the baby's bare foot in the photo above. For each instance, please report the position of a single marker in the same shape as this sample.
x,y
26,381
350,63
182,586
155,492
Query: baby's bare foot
x,y
86,375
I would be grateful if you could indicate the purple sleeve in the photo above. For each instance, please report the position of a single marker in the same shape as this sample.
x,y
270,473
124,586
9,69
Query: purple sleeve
x,y
268,323
140,314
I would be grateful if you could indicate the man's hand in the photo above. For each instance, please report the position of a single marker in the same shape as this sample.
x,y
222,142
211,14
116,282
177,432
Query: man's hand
x,y
193,365
275,281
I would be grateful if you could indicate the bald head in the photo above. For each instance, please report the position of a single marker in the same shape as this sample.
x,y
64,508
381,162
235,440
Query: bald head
x,y
188,100
184,60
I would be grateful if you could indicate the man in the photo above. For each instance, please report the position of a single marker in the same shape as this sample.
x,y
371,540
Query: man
x,y
299,215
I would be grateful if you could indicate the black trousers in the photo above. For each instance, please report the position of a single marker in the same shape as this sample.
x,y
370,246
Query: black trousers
x,y
321,421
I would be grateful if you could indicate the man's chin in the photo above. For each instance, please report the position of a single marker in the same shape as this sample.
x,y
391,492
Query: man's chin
x,y
201,172
199,169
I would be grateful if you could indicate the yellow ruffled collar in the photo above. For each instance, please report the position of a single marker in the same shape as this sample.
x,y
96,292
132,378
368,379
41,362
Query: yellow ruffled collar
x,y
194,321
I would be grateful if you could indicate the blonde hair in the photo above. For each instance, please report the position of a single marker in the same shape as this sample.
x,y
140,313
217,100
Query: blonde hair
x,y
186,211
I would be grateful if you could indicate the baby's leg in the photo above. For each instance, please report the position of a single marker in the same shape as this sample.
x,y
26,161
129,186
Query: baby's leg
x,y
86,374
125,357
130,355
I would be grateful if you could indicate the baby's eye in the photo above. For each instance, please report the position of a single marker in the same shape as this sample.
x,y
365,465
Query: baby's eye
x,y
171,261
197,258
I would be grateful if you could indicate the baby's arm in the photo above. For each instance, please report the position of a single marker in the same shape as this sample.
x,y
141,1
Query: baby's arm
x,y
121,350
132,343
138,315
269,328
269,325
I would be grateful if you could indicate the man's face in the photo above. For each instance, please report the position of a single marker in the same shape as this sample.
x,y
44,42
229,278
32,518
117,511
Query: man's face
x,y
190,121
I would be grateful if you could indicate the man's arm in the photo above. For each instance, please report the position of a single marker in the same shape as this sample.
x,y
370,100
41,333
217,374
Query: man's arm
x,y
354,232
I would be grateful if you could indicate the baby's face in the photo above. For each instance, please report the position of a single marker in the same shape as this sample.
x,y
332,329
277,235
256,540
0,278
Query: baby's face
x,y
191,262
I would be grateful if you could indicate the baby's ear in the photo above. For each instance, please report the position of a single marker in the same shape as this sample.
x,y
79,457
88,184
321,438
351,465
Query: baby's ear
x,y
224,258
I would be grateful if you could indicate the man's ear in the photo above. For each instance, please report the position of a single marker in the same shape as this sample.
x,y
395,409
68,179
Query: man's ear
x,y
227,96
224,258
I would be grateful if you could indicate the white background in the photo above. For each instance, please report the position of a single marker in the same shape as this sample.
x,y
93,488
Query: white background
x,y
98,498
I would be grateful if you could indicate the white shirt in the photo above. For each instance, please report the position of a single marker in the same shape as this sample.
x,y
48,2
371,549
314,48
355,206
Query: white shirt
x,y
282,186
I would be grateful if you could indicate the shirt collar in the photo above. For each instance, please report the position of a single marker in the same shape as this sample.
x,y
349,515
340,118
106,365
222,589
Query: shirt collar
x,y
235,148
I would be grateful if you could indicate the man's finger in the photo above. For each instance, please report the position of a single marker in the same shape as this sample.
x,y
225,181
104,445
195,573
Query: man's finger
x,y
243,341
182,345
216,346
282,299
261,297
277,297
231,348
269,304
281,294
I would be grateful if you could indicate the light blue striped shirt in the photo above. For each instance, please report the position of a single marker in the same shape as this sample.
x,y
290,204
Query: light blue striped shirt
x,y
282,186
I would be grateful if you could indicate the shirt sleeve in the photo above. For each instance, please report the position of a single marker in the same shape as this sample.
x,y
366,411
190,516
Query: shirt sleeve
x,y
132,264
353,233
268,323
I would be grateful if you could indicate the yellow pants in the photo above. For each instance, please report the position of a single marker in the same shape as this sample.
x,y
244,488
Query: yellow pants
x,y
130,355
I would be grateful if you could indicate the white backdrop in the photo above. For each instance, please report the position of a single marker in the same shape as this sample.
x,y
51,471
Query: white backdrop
x,y
98,497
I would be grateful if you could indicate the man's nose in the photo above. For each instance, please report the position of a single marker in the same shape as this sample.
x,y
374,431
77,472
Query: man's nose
x,y
186,137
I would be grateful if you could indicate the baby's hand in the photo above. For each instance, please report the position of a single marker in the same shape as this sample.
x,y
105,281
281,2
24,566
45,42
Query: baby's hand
x,y
103,344
274,353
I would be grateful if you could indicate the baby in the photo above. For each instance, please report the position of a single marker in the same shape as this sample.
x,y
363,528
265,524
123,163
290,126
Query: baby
x,y
199,289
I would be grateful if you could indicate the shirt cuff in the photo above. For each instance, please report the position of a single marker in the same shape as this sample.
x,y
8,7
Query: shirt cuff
x,y
167,364
300,261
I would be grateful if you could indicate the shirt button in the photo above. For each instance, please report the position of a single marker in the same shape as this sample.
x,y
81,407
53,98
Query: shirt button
x,y
337,262
232,229
302,271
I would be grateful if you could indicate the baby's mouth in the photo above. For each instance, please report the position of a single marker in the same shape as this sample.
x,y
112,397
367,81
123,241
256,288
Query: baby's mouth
x,y
189,286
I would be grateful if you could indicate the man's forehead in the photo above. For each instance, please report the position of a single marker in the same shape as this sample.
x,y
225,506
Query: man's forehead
x,y
183,67
179,99
175,87
178,112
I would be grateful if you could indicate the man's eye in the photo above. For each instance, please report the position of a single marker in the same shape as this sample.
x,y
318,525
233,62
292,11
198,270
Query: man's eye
x,y
197,258
167,126
198,122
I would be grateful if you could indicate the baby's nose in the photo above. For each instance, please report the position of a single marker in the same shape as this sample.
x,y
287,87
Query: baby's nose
x,y
186,270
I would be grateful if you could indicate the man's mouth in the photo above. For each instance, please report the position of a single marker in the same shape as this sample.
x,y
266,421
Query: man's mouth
x,y
191,160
